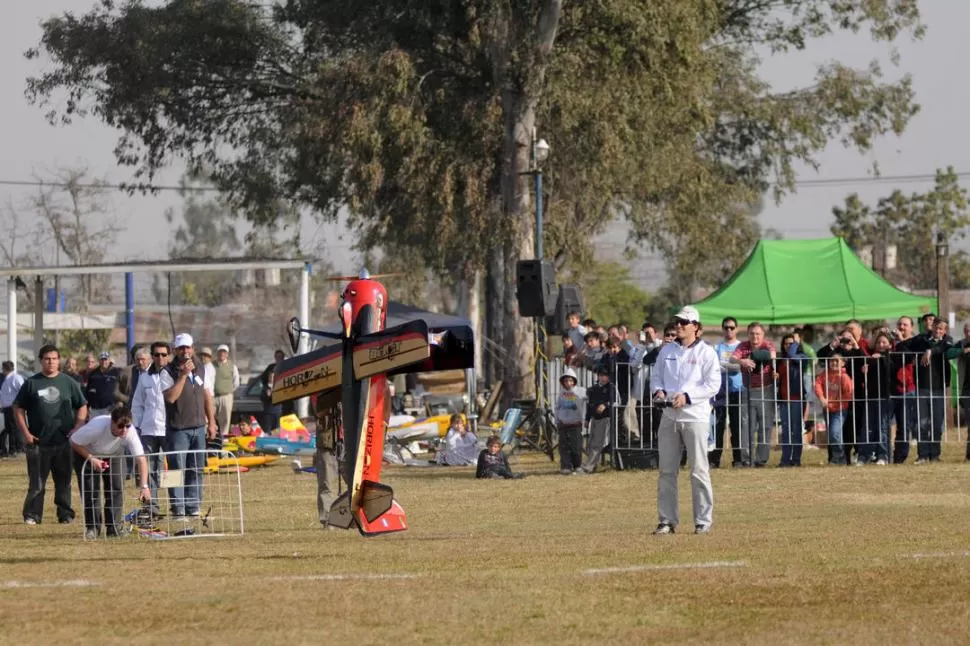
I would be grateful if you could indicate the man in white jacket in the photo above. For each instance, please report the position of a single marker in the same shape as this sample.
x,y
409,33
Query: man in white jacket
x,y
148,416
685,378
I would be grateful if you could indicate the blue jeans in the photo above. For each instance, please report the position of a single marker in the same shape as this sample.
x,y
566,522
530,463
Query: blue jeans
x,y
187,499
791,432
153,446
880,416
834,421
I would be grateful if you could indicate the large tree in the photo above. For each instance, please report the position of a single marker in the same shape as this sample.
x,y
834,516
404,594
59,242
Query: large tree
x,y
417,115
912,224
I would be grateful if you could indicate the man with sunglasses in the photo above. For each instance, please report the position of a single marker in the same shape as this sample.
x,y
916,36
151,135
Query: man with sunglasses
x,y
685,379
100,444
728,411
148,415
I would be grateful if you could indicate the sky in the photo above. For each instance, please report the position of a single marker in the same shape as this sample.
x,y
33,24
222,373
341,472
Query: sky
x,y
935,138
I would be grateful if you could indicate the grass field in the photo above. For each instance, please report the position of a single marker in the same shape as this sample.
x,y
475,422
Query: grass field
x,y
811,555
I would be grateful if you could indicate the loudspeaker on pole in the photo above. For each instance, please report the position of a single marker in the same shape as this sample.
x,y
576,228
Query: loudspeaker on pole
x,y
535,288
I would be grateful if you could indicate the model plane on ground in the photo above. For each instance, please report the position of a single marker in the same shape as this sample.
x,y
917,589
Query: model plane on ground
x,y
352,367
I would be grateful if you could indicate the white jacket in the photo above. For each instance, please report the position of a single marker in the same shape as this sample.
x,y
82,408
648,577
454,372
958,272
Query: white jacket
x,y
148,406
693,370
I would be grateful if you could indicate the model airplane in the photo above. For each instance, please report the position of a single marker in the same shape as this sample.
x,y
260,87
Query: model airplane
x,y
353,370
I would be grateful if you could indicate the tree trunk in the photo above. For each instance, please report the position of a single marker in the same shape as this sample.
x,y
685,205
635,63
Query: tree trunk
x,y
469,305
494,313
475,315
519,118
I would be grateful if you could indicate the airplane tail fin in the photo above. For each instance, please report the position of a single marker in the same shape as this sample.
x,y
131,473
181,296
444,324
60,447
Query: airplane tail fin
x,y
378,513
392,520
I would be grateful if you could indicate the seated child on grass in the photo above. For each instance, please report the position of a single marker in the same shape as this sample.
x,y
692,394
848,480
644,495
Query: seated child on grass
x,y
460,446
492,463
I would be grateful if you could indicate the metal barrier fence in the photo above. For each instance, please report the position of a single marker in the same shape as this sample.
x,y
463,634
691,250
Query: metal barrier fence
x,y
193,494
861,409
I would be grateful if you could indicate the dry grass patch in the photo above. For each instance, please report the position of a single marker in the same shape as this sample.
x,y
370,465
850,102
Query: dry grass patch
x,y
811,555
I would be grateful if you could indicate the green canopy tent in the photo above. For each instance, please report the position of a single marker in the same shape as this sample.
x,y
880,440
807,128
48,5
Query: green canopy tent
x,y
786,282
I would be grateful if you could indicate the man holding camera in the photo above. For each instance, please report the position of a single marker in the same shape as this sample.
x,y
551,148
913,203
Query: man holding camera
x,y
755,356
190,417
685,379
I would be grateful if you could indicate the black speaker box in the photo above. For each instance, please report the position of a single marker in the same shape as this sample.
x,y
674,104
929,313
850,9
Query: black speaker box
x,y
535,288
570,300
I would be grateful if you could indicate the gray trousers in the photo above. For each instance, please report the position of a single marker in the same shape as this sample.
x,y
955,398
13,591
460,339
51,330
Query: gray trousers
x,y
673,438
326,464
599,429
761,419
223,412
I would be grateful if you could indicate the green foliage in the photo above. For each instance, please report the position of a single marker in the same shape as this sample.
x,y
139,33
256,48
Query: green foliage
x,y
416,115
911,223
612,296
76,343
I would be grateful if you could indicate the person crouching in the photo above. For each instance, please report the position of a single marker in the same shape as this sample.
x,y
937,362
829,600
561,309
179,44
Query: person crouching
x,y
685,379
570,411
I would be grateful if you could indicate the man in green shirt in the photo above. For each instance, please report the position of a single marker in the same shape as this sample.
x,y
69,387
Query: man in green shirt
x,y
49,407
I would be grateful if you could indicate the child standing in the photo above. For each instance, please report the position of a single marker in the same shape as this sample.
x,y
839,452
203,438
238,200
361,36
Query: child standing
x,y
569,421
492,463
834,391
600,400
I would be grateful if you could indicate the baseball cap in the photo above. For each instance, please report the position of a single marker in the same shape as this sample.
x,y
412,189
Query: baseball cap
x,y
183,341
206,352
105,355
222,347
689,313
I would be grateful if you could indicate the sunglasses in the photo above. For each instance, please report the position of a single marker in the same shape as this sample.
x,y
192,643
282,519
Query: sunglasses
x,y
670,335
159,354
679,321
729,327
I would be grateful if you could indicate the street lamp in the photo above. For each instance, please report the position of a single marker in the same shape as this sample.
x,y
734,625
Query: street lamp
x,y
943,275
540,153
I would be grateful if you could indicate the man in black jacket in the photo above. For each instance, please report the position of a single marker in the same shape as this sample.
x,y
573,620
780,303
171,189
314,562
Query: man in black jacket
x,y
102,390
932,380
854,429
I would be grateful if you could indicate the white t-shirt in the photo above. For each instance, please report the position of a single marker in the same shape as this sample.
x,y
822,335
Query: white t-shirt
x,y
96,437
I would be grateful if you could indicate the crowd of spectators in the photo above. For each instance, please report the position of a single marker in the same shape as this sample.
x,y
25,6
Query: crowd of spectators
x,y
865,396
167,399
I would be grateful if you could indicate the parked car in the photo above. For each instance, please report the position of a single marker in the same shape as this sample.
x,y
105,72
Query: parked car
x,y
247,400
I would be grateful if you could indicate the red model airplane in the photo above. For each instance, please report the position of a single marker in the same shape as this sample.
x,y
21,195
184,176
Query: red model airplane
x,y
355,368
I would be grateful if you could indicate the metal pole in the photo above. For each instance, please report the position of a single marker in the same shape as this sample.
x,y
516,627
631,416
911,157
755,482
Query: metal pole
x,y
942,275
130,310
538,176
12,321
540,336
303,404
38,313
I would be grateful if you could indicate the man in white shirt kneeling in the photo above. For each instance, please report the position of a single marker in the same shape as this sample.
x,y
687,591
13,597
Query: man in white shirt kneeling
x,y
685,378
100,444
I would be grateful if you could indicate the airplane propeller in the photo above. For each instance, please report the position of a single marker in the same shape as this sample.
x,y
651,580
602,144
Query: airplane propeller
x,y
364,275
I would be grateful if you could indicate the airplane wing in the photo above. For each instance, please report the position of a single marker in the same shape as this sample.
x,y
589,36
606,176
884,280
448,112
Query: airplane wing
x,y
391,349
306,374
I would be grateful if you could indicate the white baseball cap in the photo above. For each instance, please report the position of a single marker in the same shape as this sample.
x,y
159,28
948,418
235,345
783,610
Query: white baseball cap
x,y
689,313
222,347
183,341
